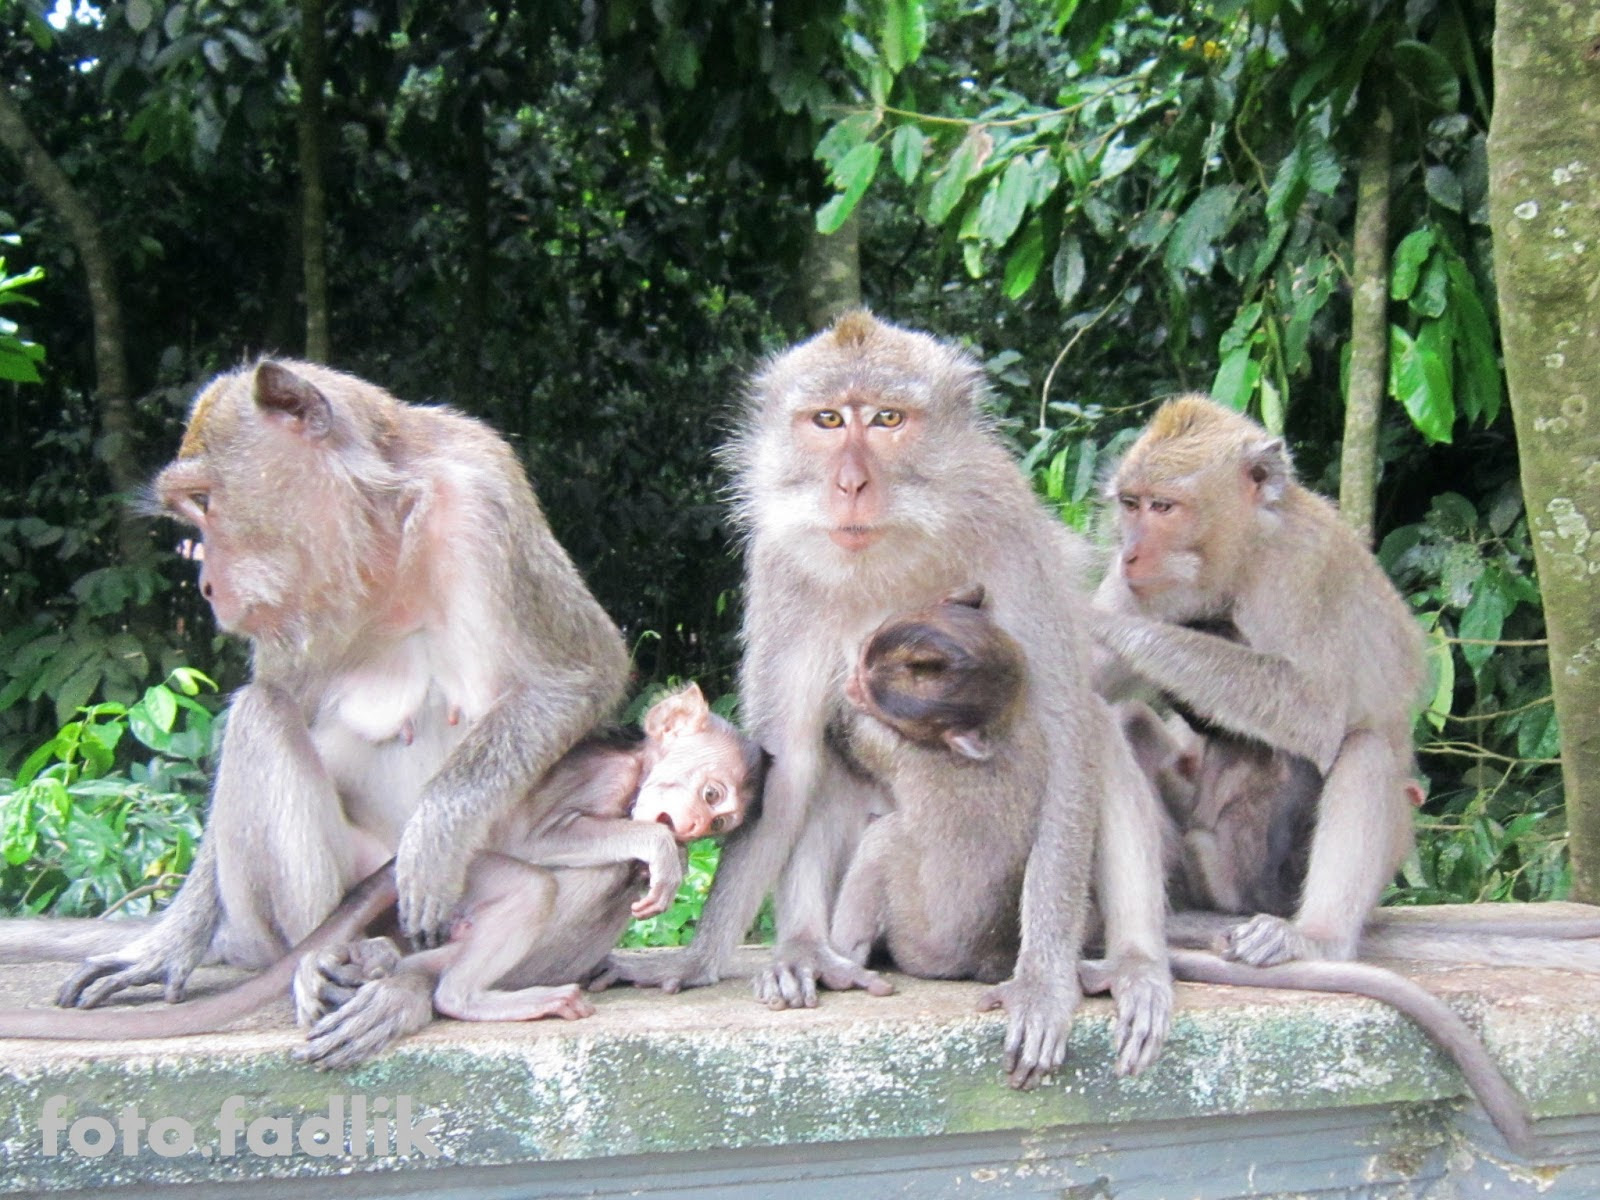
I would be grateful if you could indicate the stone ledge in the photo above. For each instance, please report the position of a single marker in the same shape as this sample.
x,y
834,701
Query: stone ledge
x,y
1258,1093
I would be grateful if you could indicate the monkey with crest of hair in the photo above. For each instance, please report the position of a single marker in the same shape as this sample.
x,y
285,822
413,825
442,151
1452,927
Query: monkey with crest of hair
x,y
869,481
423,650
1244,600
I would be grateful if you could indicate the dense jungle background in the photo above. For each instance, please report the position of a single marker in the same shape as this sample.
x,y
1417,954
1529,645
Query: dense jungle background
x,y
588,222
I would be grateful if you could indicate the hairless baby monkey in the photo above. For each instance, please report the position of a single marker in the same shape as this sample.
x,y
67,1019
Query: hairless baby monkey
x,y
541,910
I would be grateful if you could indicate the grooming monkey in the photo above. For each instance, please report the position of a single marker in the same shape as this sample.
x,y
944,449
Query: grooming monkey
x,y
869,482
1243,599
944,684
938,694
541,909
423,651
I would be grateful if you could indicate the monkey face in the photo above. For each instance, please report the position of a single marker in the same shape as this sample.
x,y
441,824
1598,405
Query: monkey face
x,y
698,781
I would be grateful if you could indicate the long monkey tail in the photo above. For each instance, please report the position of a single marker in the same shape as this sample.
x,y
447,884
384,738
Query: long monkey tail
x,y
66,939
1503,1103
364,904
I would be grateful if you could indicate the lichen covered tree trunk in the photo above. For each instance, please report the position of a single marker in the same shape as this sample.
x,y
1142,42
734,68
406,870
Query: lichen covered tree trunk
x,y
1544,192
1369,333
830,275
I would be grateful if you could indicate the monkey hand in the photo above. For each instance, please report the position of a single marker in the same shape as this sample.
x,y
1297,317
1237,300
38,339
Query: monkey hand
x,y
798,965
430,877
669,970
162,956
1040,1015
1143,994
666,873
327,980
380,1013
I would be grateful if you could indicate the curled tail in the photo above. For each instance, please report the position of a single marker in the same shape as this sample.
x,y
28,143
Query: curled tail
x,y
1503,1103
363,905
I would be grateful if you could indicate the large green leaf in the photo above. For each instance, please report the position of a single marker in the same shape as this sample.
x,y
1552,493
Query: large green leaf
x,y
1420,382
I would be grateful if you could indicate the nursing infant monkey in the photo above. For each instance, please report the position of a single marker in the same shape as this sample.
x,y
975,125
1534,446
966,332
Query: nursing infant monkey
x,y
937,691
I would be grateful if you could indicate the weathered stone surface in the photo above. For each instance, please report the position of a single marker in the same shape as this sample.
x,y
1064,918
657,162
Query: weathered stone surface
x,y
681,1080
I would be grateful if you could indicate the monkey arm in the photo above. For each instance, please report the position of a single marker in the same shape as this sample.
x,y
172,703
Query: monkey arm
x,y
606,841
1259,695
167,954
495,765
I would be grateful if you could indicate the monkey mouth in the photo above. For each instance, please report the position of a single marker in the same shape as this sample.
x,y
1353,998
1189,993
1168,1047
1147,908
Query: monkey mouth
x,y
853,537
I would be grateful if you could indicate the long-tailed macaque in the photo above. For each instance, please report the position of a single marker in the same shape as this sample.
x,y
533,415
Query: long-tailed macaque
x,y
424,651
1327,663
546,906
938,881
1243,599
869,482
543,907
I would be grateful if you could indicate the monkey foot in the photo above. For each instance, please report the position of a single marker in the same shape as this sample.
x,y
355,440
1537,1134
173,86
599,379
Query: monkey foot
x,y
1265,941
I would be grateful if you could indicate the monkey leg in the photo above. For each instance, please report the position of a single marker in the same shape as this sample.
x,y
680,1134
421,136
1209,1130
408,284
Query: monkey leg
x,y
286,853
326,981
859,913
1363,830
804,955
508,932
1131,895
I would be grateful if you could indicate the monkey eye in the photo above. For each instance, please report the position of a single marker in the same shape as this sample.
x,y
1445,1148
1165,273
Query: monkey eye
x,y
711,794
889,418
1162,506
720,824
201,500
828,418
1130,503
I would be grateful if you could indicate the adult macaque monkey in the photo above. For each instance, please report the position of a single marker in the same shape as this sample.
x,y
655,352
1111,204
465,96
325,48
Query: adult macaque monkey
x,y
1321,658
1244,599
869,482
616,807
423,651
938,881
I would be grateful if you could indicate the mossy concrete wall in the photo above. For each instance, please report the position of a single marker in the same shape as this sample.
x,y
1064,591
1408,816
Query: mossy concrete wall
x,y
1257,1094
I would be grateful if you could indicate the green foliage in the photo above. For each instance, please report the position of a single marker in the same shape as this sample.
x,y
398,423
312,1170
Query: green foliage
x,y
19,358
89,821
1493,827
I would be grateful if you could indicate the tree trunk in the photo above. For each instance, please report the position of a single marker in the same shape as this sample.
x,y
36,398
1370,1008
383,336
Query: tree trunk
x,y
830,275
115,444
313,196
1369,333
1544,196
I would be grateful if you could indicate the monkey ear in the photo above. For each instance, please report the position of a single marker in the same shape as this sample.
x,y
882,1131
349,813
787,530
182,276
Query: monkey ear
x,y
279,390
970,596
684,711
969,743
1267,466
